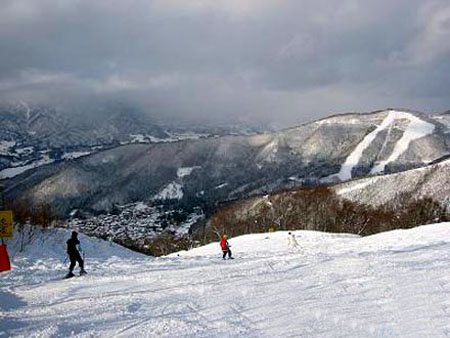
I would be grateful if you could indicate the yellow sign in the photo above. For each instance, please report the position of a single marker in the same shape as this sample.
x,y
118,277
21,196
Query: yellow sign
x,y
6,224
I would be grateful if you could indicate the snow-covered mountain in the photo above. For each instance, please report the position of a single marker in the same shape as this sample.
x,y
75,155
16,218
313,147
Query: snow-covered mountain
x,y
27,133
32,136
414,128
214,169
394,284
430,181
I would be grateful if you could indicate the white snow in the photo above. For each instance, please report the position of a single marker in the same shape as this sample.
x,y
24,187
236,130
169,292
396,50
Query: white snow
x,y
353,187
173,190
26,150
172,137
183,228
138,138
141,206
185,171
416,129
353,159
14,171
154,139
220,186
5,145
75,154
270,151
429,181
395,284
339,120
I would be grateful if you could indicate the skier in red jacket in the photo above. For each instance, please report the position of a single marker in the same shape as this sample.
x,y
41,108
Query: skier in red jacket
x,y
225,247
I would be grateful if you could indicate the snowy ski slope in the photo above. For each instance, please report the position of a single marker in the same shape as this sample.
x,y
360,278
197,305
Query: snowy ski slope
x,y
395,284
416,129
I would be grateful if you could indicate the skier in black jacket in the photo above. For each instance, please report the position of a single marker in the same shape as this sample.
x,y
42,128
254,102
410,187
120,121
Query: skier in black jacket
x,y
73,250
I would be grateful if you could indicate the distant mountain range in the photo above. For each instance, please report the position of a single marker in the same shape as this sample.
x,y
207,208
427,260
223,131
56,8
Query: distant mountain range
x,y
31,136
205,171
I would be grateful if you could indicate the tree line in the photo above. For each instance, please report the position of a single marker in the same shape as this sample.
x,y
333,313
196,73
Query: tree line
x,y
316,208
319,208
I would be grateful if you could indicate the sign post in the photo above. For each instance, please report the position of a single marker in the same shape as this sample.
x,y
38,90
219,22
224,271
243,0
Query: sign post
x,y
6,231
6,224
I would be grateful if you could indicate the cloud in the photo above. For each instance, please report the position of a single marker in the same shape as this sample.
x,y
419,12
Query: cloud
x,y
433,41
284,61
235,9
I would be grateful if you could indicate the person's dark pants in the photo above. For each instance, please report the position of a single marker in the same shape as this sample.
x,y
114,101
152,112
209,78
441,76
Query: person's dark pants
x,y
74,258
225,253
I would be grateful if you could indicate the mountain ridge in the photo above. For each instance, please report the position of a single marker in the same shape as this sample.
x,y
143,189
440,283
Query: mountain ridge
x,y
230,167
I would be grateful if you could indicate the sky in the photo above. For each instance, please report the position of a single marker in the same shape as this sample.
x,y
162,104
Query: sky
x,y
279,61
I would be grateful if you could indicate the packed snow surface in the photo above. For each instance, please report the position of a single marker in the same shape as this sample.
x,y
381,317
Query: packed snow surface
x,y
395,284
416,129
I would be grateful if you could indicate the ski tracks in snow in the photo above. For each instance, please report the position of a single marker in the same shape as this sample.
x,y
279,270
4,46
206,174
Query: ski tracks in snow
x,y
338,286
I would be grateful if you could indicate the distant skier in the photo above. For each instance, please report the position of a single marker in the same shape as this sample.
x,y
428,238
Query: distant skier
x,y
225,247
73,250
292,241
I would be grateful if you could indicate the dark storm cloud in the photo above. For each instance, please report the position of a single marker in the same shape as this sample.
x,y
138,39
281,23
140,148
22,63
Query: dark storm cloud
x,y
267,60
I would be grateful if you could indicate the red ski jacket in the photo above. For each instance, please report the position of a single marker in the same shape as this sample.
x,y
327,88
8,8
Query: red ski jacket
x,y
224,244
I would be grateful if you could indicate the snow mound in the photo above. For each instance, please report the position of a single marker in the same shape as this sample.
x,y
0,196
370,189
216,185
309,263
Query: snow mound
x,y
32,242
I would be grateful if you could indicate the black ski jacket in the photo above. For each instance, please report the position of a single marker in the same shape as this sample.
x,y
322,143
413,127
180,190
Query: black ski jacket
x,y
72,246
